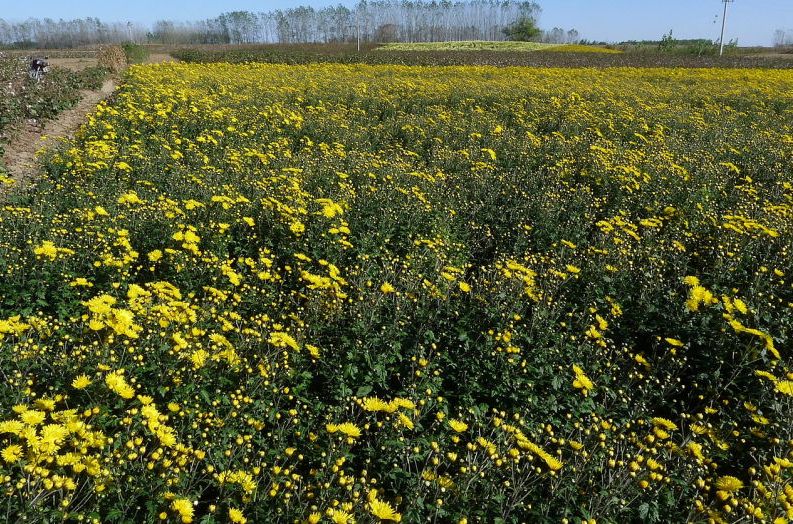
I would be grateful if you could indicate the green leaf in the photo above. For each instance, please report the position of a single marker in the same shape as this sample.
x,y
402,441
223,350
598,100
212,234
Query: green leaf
x,y
644,510
114,514
206,397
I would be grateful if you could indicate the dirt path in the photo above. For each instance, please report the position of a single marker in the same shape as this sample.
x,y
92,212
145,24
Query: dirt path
x,y
159,58
20,154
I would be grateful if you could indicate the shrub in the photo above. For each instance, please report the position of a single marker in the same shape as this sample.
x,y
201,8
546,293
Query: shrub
x,y
135,53
112,58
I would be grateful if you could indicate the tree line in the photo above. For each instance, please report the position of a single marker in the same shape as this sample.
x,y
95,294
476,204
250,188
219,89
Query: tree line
x,y
48,33
367,21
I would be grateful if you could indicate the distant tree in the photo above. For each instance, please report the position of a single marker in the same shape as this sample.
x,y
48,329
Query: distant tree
x,y
386,33
164,31
556,35
783,38
668,41
523,29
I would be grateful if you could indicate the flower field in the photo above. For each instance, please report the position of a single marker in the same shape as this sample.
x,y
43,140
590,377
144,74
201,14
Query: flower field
x,y
359,293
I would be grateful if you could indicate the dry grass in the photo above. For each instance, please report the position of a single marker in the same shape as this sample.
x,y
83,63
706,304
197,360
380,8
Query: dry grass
x,y
74,64
113,58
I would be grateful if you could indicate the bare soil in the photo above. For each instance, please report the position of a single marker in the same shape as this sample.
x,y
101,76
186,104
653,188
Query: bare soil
x,y
159,58
75,64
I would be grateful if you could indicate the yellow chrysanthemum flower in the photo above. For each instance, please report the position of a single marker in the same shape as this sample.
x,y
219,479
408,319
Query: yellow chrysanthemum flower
x,y
347,428
12,453
184,508
381,509
375,404
581,381
81,382
236,516
691,281
339,516
457,425
785,387
32,417
46,249
405,421
403,403
663,423
729,484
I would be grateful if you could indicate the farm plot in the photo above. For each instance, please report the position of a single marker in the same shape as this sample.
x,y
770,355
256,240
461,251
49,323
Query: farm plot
x,y
328,293
25,105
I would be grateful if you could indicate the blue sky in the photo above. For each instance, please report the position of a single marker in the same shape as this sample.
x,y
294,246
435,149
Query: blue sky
x,y
752,22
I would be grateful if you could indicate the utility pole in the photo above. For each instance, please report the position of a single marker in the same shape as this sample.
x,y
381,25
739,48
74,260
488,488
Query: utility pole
x,y
723,25
358,25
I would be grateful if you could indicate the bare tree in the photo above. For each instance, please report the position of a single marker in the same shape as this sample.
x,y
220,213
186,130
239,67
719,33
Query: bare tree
x,y
783,38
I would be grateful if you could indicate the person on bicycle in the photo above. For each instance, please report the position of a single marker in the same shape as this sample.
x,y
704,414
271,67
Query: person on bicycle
x,y
39,65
